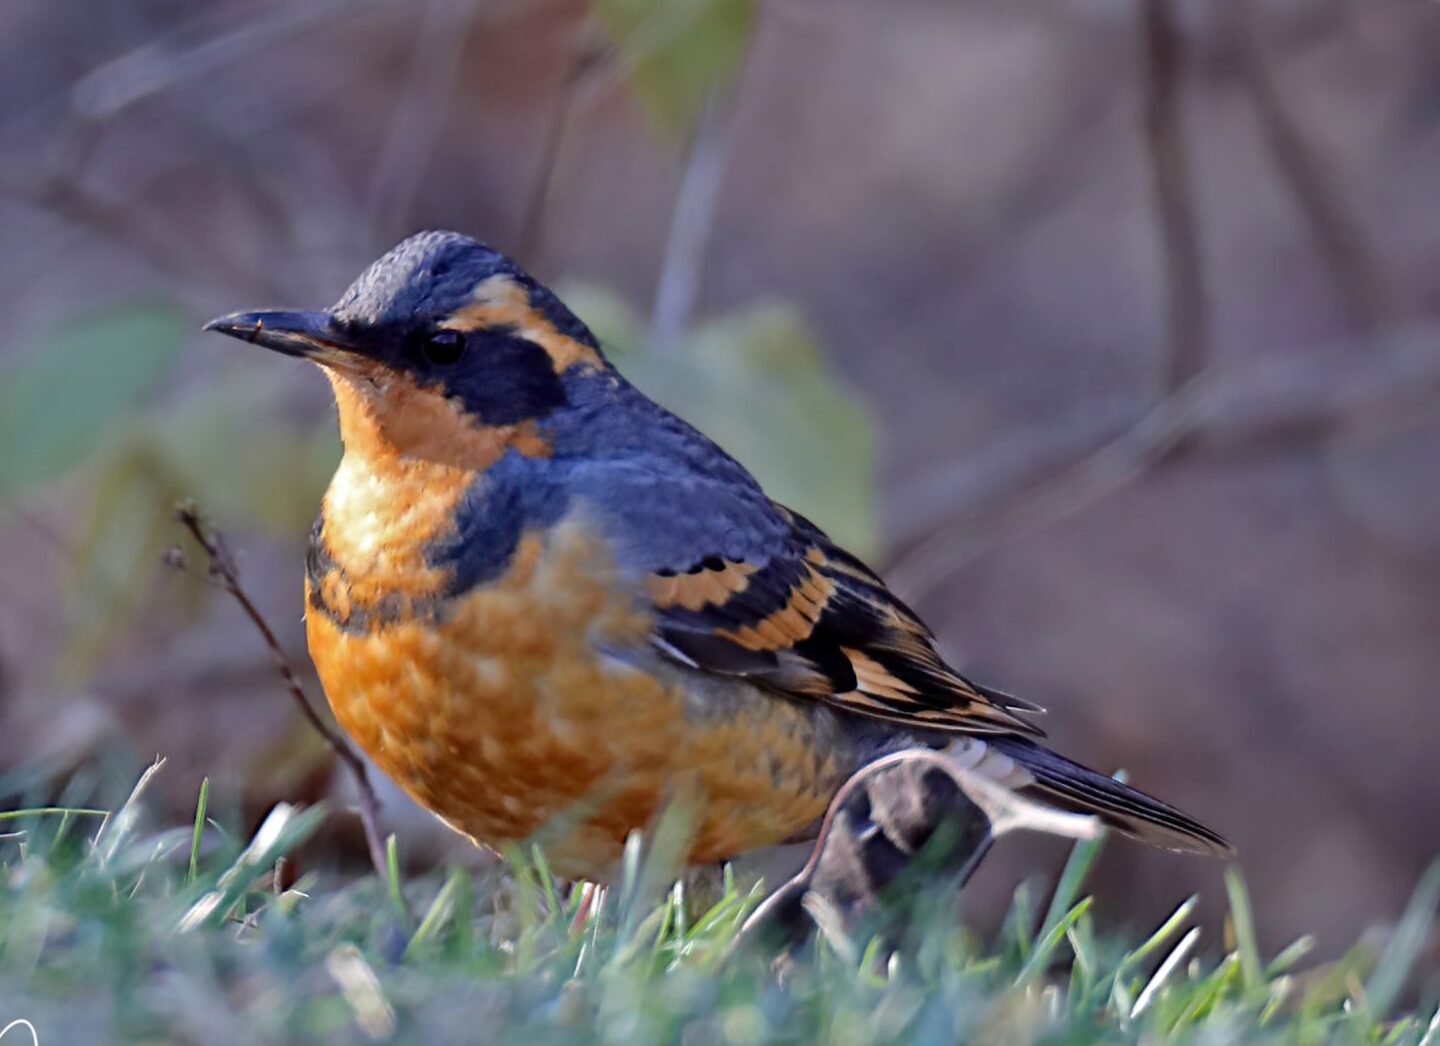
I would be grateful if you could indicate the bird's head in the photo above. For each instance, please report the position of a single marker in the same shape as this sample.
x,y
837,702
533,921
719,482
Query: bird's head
x,y
439,339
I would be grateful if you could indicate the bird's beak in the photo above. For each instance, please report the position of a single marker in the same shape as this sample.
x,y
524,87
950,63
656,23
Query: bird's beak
x,y
307,335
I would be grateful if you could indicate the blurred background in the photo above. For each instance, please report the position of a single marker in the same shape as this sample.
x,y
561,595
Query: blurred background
x,y
1108,329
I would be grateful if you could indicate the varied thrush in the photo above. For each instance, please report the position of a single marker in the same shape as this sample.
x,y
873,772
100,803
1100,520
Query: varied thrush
x,y
539,600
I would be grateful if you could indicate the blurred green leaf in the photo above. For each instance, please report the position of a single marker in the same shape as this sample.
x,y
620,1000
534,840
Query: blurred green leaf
x,y
756,382
269,475
678,51
208,449
62,401
118,551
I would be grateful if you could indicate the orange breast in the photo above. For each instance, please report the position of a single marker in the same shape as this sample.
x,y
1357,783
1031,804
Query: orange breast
x,y
505,721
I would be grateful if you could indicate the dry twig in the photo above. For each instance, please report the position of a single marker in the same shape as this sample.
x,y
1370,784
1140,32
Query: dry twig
x,y
224,574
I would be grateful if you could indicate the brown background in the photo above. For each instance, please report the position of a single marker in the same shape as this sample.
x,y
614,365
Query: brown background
x,y
959,196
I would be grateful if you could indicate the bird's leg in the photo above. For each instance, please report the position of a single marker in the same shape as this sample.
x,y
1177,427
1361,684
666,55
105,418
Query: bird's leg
x,y
904,831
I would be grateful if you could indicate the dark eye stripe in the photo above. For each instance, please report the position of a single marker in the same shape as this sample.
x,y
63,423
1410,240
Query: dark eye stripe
x,y
499,377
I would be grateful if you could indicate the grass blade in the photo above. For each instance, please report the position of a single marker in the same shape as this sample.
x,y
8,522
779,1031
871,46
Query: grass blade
x,y
200,804
1167,930
440,910
1120,998
392,877
113,830
1252,970
1405,945
1047,943
1167,969
1015,931
1072,880
1289,956
51,811
1432,1031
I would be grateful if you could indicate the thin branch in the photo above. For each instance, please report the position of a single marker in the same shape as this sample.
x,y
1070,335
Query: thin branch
x,y
61,193
223,572
990,501
651,34
1338,234
1045,494
935,497
1272,405
1044,500
692,220
1187,321
111,587
198,48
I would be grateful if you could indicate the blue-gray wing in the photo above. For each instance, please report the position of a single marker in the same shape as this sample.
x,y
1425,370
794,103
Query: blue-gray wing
x,y
742,586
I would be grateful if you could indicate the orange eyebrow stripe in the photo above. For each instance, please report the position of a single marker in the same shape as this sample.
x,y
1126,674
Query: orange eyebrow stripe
x,y
501,302
696,591
794,622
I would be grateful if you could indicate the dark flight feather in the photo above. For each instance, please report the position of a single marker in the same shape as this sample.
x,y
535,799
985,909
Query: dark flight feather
x,y
813,621
1073,787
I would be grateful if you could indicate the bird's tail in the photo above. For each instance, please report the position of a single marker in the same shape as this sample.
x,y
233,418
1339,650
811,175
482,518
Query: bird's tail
x,y
982,788
1041,775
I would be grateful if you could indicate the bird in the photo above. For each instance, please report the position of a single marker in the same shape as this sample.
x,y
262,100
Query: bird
x,y
547,607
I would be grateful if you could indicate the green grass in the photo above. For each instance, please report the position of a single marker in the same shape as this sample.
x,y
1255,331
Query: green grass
x,y
108,932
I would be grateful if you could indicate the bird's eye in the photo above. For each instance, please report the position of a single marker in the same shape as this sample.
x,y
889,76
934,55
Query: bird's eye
x,y
444,348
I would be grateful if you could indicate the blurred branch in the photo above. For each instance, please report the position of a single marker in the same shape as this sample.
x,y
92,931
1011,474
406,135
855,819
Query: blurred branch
x,y
660,27
1187,322
126,228
692,220
61,192
1338,234
223,572
418,114
1044,498
596,67
1041,492
111,590
586,56
198,47
941,494
1299,399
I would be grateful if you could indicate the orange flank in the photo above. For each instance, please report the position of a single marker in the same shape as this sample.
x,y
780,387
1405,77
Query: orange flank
x,y
505,719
